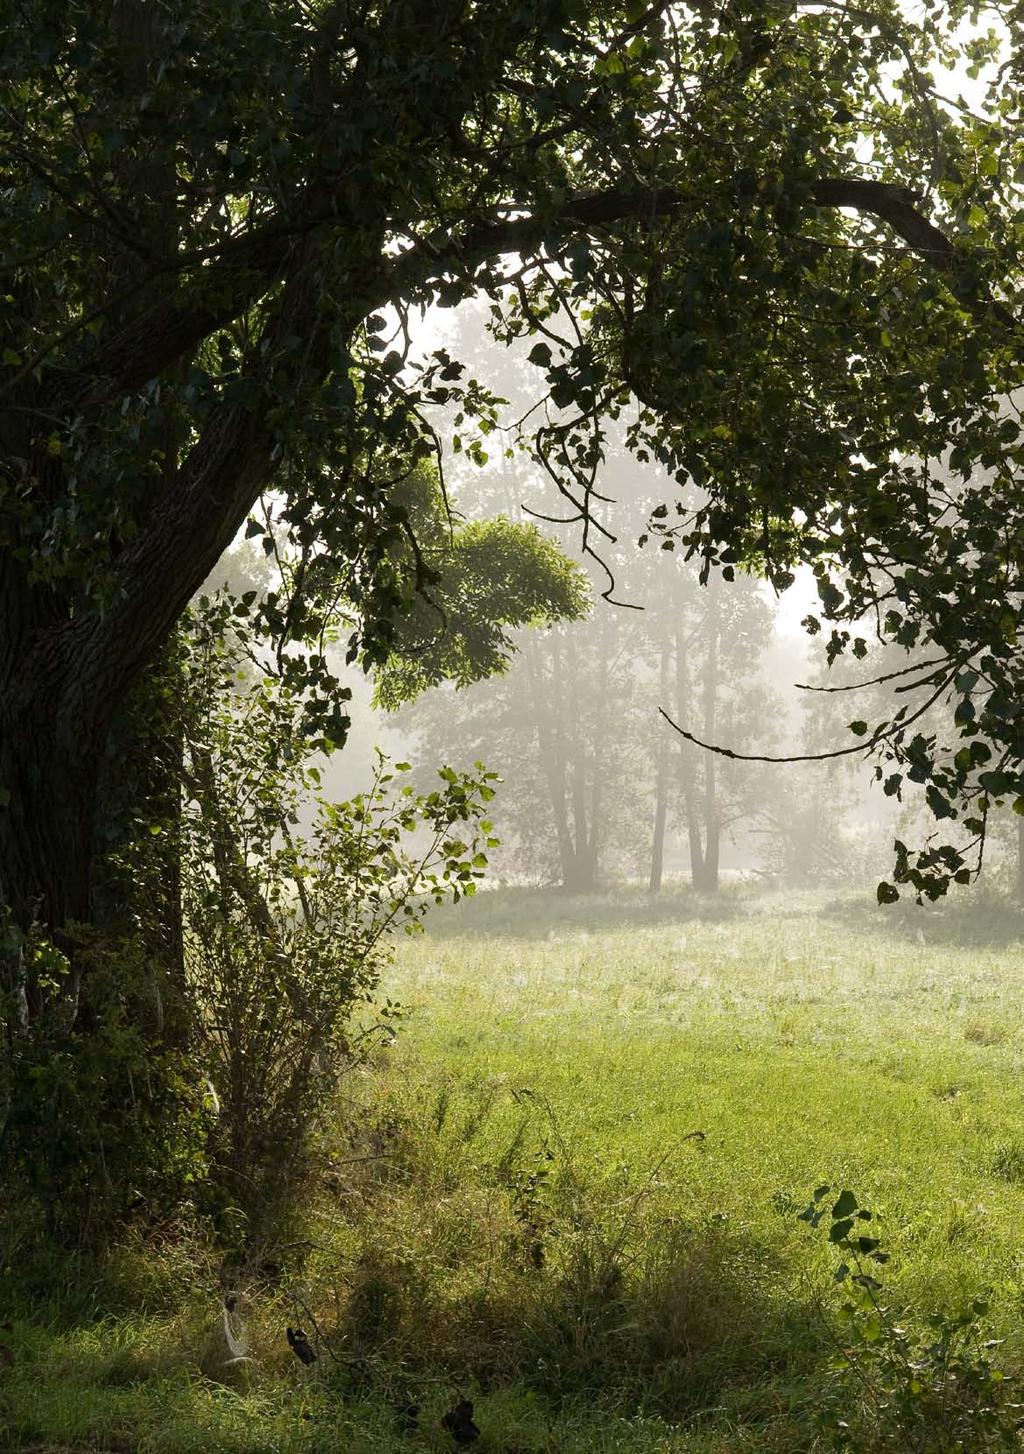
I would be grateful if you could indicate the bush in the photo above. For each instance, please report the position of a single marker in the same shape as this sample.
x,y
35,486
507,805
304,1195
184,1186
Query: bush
x,y
286,934
100,1115
931,1389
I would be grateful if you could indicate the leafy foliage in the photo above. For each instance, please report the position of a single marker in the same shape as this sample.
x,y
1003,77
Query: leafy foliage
x,y
934,1390
477,581
761,236
100,1116
286,932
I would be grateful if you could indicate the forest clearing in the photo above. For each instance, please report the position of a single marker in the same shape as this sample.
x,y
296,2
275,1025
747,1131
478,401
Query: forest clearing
x,y
522,1214
511,726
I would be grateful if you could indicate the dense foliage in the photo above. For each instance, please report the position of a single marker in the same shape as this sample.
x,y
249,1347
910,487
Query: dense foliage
x,y
765,222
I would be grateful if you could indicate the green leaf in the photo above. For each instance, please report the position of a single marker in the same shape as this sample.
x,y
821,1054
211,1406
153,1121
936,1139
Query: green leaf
x,y
845,1205
869,1283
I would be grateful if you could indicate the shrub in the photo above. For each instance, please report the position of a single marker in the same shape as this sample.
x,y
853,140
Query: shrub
x,y
99,1113
286,933
931,1389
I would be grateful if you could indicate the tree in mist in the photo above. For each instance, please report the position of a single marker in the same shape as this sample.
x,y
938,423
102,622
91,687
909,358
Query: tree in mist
x,y
710,642
596,778
563,727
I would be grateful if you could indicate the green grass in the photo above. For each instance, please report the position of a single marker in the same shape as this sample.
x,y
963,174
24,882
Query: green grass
x,y
513,1206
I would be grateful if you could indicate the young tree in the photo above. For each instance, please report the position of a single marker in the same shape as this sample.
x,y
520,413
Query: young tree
x,y
210,212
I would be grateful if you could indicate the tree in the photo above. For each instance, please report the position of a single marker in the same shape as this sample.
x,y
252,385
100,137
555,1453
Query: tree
x,y
477,581
287,929
574,728
210,212
711,642
565,727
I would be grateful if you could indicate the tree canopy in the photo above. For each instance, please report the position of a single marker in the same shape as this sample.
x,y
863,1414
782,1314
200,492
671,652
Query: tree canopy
x,y
771,240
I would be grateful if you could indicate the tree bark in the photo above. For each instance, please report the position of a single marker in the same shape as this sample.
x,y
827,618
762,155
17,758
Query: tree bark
x,y
63,672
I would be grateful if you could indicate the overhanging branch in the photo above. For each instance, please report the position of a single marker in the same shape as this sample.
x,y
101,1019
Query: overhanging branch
x,y
894,205
230,282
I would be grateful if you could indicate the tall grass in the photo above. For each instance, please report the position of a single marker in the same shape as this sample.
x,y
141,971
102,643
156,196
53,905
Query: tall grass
x,y
569,1192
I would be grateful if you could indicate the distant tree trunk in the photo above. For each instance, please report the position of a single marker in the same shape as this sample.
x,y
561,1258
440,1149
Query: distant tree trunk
x,y
700,802
705,869
658,833
686,771
552,761
1020,860
660,782
592,845
594,837
554,764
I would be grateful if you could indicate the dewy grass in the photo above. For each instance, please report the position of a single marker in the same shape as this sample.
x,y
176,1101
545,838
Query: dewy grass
x,y
569,1191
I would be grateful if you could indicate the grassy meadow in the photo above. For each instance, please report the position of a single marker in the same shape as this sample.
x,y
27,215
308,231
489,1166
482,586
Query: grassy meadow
x,y
568,1190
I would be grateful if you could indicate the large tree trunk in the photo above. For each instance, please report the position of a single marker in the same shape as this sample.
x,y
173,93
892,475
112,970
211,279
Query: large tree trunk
x,y
81,775
137,880
64,672
49,760
47,828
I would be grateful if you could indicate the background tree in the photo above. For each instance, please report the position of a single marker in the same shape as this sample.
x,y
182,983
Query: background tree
x,y
596,779
710,643
562,728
